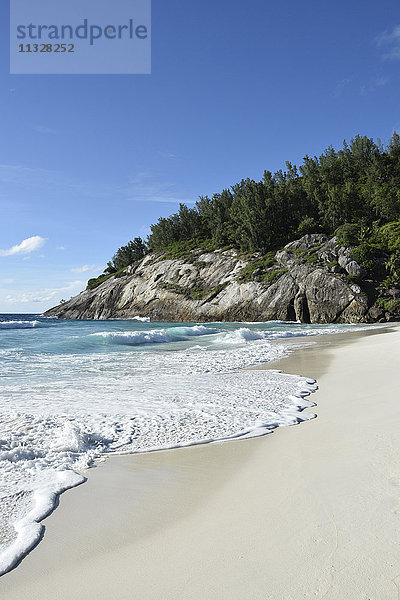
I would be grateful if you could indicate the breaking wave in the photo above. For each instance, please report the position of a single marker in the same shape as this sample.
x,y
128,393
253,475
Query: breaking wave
x,y
80,390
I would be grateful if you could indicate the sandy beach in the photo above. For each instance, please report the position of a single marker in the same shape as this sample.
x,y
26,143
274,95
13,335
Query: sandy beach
x,y
311,511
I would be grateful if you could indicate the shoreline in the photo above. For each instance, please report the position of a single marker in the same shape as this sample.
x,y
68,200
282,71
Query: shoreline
x,y
207,518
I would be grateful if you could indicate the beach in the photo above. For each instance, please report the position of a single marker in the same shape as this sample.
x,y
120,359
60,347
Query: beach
x,y
311,511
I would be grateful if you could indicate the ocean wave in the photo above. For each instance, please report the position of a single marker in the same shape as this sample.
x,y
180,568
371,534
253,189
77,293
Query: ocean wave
x,y
41,456
307,331
80,395
19,324
155,336
134,338
244,334
193,330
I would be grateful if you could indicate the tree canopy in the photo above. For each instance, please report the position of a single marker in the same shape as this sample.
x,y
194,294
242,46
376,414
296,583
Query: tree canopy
x,y
358,183
126,255
357,186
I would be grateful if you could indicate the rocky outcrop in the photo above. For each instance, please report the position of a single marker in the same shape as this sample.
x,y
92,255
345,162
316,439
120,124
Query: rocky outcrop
x,y
312,281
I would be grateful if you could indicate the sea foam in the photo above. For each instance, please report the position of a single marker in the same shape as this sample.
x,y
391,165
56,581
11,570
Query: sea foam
x,y
160,336
42,456
82,390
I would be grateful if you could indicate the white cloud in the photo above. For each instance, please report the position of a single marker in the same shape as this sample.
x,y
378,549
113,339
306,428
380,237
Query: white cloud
x,y
374,84
390,41
339,89
385,37
25,247
45,295
144,187
61,248
25,176
85,269
381,81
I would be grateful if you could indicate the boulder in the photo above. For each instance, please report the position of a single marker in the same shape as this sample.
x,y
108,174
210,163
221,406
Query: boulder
x,y
354,269
207,286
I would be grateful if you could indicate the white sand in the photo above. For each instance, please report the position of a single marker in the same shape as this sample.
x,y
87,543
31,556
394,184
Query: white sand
x,y
311,511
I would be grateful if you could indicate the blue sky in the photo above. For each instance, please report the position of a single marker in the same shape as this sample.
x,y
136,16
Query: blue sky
x,y
89,162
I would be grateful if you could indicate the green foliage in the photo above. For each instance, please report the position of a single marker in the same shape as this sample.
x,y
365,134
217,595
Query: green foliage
x,y
377,249
127,255
389,235
306,256
186,224
183,248
311,259
353,192
371,257
179,249
348,234
134,251
257,267
392,265
96,281
199,293
352,279
308,225
271,276
388,304
194,293
346,191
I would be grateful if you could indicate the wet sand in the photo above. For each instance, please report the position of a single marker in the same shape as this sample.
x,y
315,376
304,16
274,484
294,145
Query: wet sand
x,y
311,511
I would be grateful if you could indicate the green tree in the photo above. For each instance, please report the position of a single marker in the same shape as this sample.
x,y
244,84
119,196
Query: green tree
x,y
126,255
358,184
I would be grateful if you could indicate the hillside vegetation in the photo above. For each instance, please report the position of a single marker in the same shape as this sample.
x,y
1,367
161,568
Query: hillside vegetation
x,y
353,193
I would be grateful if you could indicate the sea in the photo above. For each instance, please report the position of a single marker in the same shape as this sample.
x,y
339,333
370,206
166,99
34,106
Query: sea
x,y
75,392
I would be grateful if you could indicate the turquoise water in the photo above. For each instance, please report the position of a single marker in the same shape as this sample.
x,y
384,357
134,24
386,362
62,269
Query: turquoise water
x,y
75,391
